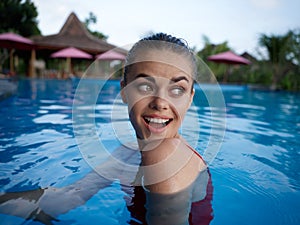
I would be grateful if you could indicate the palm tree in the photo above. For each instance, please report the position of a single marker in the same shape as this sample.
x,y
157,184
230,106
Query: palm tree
x,y
278,50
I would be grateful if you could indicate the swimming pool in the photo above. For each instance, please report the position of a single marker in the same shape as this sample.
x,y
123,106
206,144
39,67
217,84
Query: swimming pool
x,y
255,175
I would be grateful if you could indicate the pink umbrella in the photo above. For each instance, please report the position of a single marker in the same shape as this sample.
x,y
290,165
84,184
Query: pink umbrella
x,y
111,55
228,58
69,53
14,41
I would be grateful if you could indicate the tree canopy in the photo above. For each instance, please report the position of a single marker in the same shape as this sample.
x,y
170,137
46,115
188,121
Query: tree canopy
x,y
92,19
280,69
19,16
283,58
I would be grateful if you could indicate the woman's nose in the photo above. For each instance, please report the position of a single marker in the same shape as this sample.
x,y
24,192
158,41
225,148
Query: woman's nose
x,y
158,103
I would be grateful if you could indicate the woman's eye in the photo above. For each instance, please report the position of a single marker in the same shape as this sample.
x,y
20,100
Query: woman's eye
x,y
145,88
177,91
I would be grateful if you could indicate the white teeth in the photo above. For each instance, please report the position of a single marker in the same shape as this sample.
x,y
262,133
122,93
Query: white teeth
x,y
156,120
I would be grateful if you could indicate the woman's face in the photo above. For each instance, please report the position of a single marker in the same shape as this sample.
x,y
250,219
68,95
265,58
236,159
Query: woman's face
x,y
158,96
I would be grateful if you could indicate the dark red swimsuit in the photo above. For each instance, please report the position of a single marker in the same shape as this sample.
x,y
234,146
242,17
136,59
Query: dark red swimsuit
x,y
201,212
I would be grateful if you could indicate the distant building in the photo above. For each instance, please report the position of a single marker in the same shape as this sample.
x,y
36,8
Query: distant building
x,y
249,57
72,34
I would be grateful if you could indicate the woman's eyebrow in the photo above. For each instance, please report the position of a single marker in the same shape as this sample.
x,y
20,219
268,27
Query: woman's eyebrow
x,y
177,79
147,77
152,79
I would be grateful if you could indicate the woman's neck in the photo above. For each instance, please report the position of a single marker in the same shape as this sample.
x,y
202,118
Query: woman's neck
x,y
155,151
168,165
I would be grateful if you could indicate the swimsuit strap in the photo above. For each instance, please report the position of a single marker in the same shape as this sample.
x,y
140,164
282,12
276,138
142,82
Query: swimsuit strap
x,y
190,147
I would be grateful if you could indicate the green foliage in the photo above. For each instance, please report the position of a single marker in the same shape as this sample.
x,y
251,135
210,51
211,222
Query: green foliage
x,y
280,70
283,58
276,47
211,49
19,16
92,19
294,47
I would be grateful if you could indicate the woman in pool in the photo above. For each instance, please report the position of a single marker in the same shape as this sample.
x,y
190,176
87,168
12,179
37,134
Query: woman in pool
x,y
158,88
172,184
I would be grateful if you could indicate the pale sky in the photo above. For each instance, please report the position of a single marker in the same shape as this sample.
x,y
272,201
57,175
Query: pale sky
x,y
240,22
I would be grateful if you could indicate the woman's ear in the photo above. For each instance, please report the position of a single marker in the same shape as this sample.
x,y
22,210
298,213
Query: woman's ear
x,y
123,95
192,96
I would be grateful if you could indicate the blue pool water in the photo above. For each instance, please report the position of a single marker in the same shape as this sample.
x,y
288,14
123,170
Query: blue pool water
x,y
255,175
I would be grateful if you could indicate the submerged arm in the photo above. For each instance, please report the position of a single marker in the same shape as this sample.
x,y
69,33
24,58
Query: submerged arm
x,y
46,204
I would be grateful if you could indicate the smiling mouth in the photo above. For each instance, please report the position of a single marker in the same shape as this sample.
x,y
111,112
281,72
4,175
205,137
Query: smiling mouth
x,y
157,123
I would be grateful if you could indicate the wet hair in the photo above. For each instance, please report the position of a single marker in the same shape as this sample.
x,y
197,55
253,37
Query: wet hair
x,y
159,41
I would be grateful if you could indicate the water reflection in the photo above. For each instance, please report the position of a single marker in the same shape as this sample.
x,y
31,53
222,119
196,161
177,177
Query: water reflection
x,y
47,176
257,169
189,206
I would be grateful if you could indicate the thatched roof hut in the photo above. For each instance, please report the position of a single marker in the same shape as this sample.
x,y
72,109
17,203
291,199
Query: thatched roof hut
x,y
72,34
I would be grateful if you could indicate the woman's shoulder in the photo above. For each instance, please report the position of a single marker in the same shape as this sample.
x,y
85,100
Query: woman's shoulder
x,y
181,145
178,159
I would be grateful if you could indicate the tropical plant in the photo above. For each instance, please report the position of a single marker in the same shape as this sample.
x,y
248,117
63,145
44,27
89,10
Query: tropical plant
x,y
92,19
282,55
211,49
19,16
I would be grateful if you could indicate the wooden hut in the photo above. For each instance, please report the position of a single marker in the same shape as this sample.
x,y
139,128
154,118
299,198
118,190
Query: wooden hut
x,y
72,34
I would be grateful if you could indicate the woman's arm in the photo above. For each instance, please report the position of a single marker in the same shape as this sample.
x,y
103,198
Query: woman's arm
x,y
46,204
